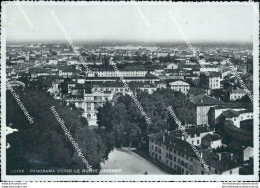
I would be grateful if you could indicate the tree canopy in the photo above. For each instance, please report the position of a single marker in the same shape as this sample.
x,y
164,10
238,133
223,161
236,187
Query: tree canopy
x,y
127,124
45,138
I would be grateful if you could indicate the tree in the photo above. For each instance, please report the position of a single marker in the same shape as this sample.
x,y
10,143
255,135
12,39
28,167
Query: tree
x,y
45,139
126,121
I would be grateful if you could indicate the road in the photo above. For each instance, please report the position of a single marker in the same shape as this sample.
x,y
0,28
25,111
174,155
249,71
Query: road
x,y
126,162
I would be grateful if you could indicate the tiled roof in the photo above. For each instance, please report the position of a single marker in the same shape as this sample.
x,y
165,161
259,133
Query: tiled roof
x,y
222,161
211,137
179,83
230,114
201,100
212,159
234,105
212,74
239,91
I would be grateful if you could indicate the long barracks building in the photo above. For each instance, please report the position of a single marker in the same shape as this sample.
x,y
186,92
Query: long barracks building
x,y
177,154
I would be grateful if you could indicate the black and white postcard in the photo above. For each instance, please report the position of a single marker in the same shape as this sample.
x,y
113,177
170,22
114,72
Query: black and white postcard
x,y
129,91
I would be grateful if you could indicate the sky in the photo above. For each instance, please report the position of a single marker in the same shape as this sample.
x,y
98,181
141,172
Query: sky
x,y
130,22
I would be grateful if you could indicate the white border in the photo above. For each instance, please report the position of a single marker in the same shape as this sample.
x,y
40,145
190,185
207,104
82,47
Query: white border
x,y
176,178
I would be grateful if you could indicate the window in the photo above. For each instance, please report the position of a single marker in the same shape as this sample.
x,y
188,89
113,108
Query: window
x,y
174,159
198,142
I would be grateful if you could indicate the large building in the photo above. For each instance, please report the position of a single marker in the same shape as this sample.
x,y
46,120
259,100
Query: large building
x,y
146,79
113,73
202,105
180,86
215,112
178,155
237,116
92,102
210,81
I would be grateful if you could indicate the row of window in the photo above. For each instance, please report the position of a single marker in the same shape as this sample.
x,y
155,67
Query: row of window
x,y
109,89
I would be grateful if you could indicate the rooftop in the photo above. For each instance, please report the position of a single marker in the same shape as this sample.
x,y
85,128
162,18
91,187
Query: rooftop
x,y
239,91
211,137
222,161
204,100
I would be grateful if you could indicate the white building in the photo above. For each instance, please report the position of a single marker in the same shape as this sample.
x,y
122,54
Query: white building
x,y
179,156
113,73
237,116
209,68
237,94
180,86
171,66
210,80
92,102
211,141
147,88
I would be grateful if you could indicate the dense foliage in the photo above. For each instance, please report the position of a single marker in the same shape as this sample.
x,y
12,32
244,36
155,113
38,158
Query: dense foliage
x,y
126,124
45,140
